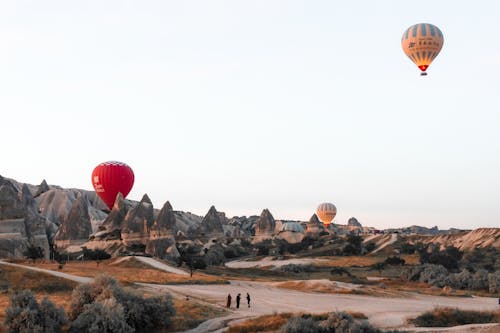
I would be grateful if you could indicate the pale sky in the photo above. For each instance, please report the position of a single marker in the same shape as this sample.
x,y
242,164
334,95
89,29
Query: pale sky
x,y
248,105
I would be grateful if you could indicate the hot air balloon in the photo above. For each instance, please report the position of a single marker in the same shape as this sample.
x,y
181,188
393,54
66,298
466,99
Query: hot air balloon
x,y
422,43
110,178
326,213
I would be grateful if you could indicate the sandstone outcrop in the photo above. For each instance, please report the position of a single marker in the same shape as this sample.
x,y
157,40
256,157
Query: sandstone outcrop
x,y
211,225
137,223
161,235
20,224
76,227
264,226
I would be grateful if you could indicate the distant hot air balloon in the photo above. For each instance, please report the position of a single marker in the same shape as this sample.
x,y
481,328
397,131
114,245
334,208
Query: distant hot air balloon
x,y
110,178
326,213
422,43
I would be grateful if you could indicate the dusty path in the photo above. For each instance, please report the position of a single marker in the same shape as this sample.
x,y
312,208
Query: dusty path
x,y
159,265
271,261
79,279
266,299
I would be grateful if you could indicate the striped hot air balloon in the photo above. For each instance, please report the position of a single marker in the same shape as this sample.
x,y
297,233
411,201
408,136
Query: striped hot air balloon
x,y
326,213
110,178
422,43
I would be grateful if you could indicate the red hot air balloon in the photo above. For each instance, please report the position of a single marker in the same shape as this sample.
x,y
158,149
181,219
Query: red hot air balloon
x,y
110,178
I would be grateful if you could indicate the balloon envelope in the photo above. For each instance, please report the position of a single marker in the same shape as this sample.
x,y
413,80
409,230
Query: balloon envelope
x,y
326,212
422,43
110,178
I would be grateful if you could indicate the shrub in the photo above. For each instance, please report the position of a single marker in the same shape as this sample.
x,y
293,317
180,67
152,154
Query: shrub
x,y
394,261
96,254
447,317
106,316
34,252
448,258
436,275
24,314
407,248
139,313
494,282
370,246
301,325
146,314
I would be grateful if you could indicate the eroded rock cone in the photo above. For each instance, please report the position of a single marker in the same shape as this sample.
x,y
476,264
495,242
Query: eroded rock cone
x,y
161,235
211,223
137,223
111,227
42,188
76,227
266,224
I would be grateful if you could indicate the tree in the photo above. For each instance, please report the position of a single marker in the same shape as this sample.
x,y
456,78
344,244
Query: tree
x,y
34,252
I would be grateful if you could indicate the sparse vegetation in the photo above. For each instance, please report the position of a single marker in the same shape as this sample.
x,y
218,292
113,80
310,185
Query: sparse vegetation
x,y
447,317
14,278
190,314
103,300
25,314
96,254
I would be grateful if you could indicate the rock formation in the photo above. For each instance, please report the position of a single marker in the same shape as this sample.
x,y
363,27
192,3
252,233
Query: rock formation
x,y
137,223
76,227
211,225
353,222
20,224
314,227
42,188
264,226
111,227
161,242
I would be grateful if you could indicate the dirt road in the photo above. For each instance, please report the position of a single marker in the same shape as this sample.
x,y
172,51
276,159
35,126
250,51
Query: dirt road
x,y
266,299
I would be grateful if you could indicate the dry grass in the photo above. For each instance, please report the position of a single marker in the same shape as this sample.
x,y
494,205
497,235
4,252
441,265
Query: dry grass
x,y
14,278
56,289
129,271
261,324
191,313
357,315
447,317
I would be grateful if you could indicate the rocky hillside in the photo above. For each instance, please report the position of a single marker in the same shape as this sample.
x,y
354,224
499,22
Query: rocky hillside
x,y
65,220
482,237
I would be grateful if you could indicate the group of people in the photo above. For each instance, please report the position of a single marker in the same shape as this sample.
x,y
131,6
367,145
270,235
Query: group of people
x,y
238,299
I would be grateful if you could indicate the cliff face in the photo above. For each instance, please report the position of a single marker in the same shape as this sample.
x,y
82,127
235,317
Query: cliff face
x,y
482,237
21,225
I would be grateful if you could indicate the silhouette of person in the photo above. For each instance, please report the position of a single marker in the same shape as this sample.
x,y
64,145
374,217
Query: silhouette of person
x,y
228,305
248,299
238,298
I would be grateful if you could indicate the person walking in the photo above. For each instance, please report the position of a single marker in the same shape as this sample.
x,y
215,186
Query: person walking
x,y
248,299
238,298
228,305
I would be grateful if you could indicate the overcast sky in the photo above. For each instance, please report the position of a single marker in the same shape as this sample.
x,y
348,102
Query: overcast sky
x,y
248,105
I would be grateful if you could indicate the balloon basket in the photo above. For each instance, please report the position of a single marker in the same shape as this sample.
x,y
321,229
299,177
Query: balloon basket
x,y
423,74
